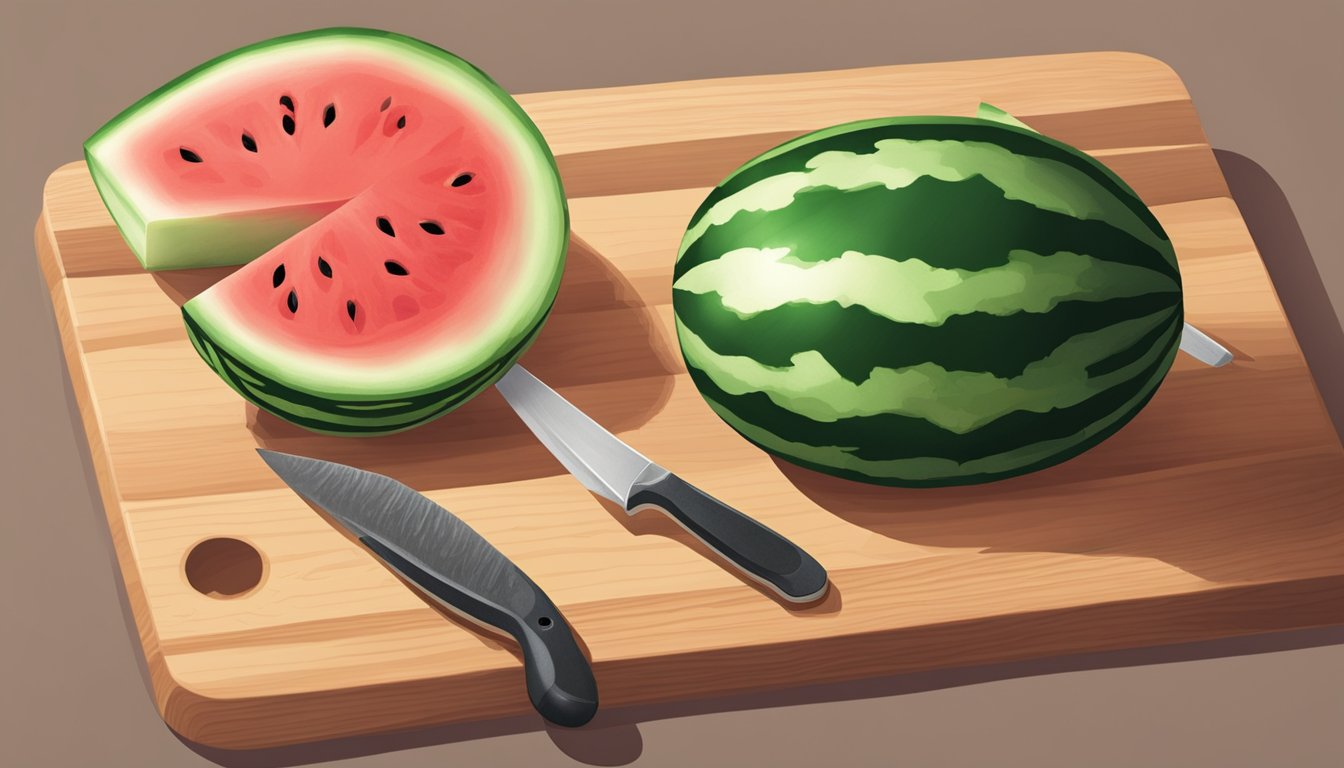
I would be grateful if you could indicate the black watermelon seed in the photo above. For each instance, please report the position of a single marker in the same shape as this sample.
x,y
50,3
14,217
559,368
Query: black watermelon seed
x,y
386,227
293,301
287,103
432,227
463,179
287,123
393,268
323,267
350,309
278,276
188,155
401,121
386,103
249,143
329,116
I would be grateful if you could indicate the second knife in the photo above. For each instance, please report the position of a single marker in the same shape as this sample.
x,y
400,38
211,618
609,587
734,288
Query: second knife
x,y
452,564
611,469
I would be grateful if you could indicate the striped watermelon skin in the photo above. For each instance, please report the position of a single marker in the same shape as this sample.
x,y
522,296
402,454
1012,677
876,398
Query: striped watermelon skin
x,y
337,415
926,301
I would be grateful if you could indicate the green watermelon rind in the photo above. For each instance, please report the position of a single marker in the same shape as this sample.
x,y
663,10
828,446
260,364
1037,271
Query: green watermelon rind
x,y
926,470
341,416
128,220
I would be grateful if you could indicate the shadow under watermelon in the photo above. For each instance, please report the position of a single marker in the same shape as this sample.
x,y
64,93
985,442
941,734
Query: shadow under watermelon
x,y
601,348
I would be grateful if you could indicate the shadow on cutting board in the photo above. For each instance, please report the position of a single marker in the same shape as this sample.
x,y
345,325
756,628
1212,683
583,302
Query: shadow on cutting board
x,y
1053,511
601,348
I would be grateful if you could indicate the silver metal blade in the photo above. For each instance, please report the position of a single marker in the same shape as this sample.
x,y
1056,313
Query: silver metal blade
x,y
1198,345
405,521
605,465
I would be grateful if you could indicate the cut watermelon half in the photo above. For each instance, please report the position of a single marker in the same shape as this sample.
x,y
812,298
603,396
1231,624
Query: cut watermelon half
x,y
403,218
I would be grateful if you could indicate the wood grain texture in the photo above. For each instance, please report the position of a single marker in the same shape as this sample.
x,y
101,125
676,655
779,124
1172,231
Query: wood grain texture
x,y
1216,512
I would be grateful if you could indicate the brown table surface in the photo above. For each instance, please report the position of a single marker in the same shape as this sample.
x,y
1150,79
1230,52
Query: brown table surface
x,y
1267,84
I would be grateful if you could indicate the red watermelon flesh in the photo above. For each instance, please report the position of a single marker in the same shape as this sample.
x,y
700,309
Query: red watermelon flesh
x,y
403,217
382,279
243,152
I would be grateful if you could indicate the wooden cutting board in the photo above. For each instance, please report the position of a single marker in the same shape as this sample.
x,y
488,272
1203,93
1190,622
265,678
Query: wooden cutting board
x,y
1216,512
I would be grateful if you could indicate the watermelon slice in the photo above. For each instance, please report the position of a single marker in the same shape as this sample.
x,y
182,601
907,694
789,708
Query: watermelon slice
x,y
403,219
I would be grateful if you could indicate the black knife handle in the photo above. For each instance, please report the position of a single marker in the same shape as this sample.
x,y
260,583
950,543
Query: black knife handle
x,y
746,543
559,678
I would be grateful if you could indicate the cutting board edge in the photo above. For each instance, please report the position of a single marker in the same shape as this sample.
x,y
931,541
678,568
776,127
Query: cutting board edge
x,y
1287,319
1148,62
241,723
48,253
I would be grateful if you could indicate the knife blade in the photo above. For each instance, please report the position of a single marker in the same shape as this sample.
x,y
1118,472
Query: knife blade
x,y
608,467
1200,346
453,564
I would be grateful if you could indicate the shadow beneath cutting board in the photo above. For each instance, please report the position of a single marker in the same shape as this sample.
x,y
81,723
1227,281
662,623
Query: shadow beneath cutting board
x,y
1283,248
1050,510
604,741
614,738
601,348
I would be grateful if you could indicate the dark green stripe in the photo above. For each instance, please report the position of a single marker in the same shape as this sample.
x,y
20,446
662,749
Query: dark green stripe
x,y
946,224
455,394
1001,345
893,436
983,477
1138,349
283,392
462,394
1021,142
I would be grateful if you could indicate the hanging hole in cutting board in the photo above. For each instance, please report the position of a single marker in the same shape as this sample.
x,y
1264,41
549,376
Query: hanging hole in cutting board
x,y
224,568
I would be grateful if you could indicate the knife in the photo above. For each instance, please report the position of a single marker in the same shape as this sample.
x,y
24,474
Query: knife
x,y
611,469
1198,345
454,565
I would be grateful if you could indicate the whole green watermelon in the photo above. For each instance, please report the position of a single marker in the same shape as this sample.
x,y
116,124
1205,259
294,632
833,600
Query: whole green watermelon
x,y
926,301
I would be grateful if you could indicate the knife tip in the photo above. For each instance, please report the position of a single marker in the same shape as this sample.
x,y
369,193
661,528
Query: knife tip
x,y
273,459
